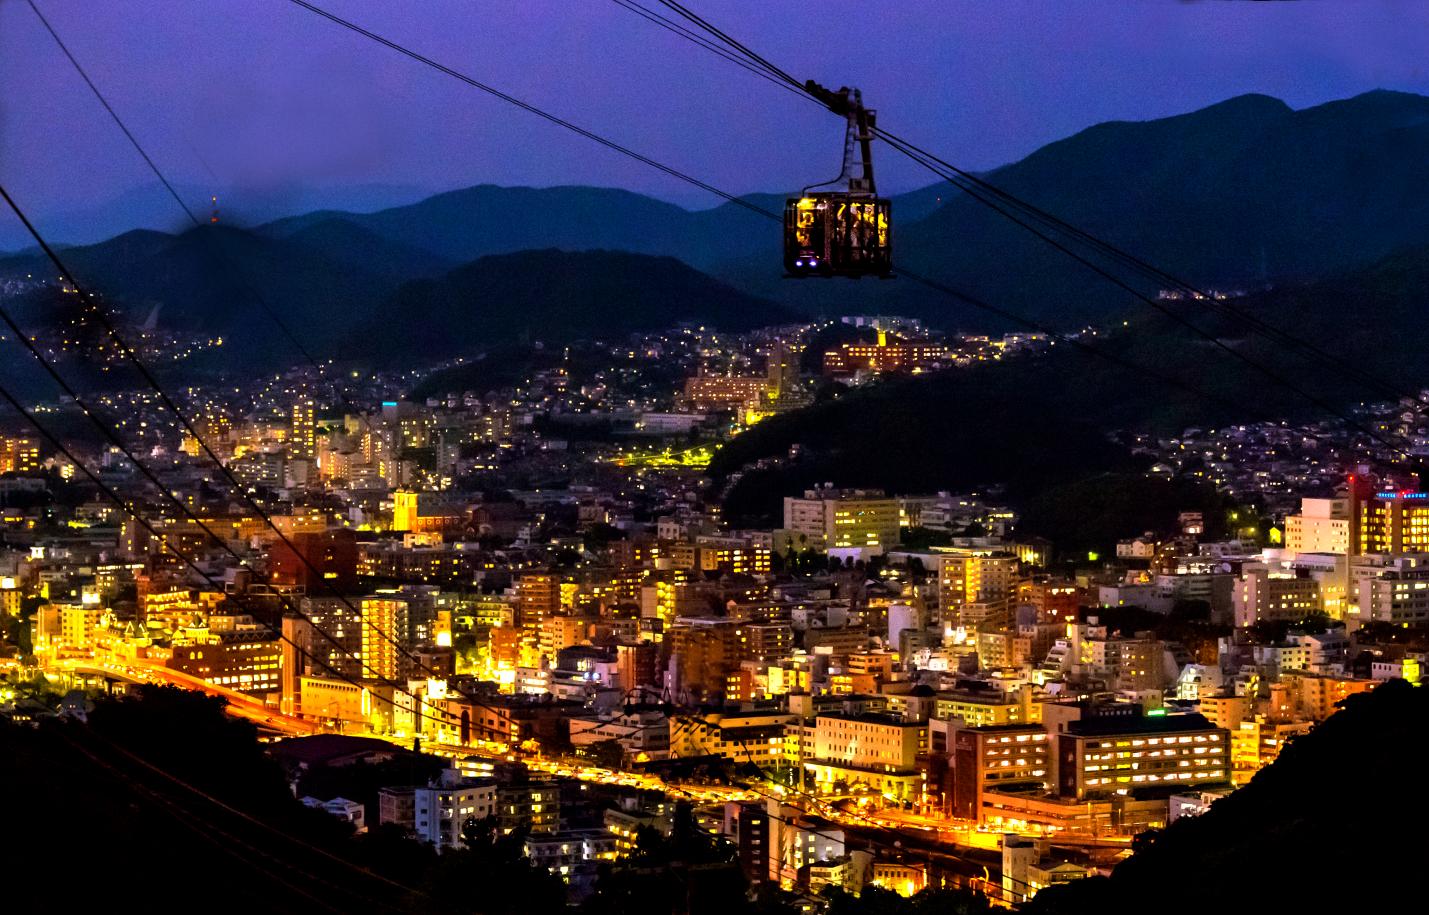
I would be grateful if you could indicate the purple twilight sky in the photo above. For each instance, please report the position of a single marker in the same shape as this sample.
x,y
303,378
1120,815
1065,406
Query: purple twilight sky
x,y
261,94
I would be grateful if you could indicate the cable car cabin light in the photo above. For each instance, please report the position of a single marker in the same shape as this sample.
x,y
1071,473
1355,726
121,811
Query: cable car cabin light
x,y
835,234
846,230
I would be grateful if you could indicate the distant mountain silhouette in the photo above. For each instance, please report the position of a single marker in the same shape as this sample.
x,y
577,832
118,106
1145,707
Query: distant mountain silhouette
x,y
1232,195
465,224
552,296
150,206
1241,194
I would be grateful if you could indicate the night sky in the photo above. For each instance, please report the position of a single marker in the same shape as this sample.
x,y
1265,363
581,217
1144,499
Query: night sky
x,y
263,94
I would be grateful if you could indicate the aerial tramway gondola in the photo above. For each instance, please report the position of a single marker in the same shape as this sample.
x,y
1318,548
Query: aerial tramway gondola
x,y
847,231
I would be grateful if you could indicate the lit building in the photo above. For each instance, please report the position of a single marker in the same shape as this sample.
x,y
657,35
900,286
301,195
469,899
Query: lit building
x,y
316,562
731,555
438,813
1256,742
1323,526
1393,522
885,356
987,758
873,751
704,651
302,429
725,392
19,454
384,630
843,519
973,583
1317,696
797,840
404,510
1265,595
324,641
332,700
752,737
560,853
1390,588
538,596
643,733
982,708
1027,869
1103,754
242,656
535,805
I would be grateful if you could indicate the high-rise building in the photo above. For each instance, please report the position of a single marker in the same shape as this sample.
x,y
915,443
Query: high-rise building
x,y
1389,588
635,664
302,429
538,596
384,628
404,510
783,370
704,651
973,583
19,454
749,822
316,563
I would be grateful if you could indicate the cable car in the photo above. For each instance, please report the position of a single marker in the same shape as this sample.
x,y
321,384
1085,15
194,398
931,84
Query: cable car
x,y
846,230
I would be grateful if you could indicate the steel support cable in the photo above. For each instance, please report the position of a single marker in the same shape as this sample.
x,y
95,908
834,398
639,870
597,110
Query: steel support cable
x,y
238,488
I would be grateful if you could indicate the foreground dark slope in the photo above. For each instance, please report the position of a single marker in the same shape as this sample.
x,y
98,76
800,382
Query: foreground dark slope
x,y
1347,791
552,296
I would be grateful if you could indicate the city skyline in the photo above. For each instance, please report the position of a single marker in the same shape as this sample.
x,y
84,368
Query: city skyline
x,y
1049,542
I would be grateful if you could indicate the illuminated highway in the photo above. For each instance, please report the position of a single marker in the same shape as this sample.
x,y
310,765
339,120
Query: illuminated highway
x,y
240,705
931,833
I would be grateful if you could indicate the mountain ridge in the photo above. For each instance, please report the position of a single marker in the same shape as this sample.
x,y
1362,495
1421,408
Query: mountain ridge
x,y
1237,194
556,296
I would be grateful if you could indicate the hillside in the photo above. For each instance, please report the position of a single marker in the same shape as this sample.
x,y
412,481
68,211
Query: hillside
x,y
214,279
1263,847
1000,423
551,296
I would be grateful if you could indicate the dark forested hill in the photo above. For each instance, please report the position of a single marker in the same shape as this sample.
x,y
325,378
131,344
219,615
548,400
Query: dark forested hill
x,y
552,296
218,279
1004,423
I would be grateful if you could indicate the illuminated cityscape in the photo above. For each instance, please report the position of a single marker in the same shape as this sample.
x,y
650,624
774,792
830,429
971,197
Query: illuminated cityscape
x,y
515,549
